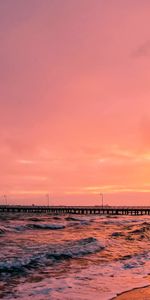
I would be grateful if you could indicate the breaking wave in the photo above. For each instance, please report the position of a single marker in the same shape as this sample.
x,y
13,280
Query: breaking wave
x,y
39,227
140,232
72,219
2,231
77,249
69,250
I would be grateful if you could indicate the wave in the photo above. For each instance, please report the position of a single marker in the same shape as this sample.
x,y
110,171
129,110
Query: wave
x,y
2,231
77,249
35,219
39,227
18,265
72,219
117,234
55,218
69,250
140,232
45,226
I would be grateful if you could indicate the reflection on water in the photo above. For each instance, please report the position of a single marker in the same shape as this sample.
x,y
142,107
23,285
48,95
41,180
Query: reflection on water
x,y
67,257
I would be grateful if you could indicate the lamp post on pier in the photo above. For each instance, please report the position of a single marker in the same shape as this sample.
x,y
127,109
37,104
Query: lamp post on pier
x,y
47,198
5,200
102,198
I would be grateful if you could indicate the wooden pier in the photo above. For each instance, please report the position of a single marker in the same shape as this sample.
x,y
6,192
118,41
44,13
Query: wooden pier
x,y
82,210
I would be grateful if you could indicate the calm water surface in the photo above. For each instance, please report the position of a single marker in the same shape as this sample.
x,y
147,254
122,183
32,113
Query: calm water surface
x,y
46,257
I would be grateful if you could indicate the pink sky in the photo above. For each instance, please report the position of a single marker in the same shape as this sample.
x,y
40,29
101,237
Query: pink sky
x,y
75,101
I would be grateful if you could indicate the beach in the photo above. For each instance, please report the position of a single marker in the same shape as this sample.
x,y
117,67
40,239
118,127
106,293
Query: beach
x,y
135,294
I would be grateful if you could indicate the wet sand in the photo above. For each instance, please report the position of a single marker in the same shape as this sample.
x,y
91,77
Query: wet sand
x,y
136,294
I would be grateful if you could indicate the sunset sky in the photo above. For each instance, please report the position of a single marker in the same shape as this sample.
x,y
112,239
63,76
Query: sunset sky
x,y
75,101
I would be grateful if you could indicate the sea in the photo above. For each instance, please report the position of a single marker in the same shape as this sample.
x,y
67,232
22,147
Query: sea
x,y
72,257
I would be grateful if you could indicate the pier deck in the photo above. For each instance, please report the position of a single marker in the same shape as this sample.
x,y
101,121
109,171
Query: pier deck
x,y
96,210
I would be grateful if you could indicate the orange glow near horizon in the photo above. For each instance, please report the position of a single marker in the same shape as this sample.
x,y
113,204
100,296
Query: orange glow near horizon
x,y
75,101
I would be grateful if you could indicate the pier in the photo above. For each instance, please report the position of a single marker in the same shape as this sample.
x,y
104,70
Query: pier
x,y
82,210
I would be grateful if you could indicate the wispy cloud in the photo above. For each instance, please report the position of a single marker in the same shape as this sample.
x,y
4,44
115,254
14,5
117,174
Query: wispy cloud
x,y
26,161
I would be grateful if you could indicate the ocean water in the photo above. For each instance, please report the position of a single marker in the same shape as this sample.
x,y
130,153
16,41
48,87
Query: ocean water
x,y
44,256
